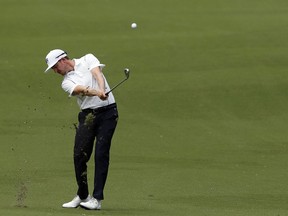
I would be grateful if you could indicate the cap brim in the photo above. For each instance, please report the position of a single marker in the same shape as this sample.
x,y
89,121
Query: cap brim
x,y
48,68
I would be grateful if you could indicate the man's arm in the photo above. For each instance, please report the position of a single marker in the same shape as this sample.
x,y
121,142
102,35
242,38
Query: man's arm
x,y
97,74
85,91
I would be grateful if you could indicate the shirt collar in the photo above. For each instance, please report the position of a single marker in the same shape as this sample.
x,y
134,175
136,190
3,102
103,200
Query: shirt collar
x,y
77,62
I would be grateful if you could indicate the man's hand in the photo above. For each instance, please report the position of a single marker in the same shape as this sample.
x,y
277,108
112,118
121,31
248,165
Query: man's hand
x,y
102,95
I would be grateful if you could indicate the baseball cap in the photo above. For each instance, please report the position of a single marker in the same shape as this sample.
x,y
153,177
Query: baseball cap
x,y
53,57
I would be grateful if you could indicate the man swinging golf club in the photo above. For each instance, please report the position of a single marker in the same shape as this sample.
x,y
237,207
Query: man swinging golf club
x,y
98,117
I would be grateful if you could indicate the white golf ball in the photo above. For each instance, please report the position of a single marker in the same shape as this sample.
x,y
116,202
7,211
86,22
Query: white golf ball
x,y
133,25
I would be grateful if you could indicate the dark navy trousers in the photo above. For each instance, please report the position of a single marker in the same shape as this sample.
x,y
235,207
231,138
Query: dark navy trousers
x,y
94,125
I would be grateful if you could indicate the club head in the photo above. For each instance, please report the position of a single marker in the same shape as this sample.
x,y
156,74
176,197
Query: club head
x,y
127,72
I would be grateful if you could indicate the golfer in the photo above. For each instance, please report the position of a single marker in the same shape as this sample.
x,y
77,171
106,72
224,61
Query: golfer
x,y
98,117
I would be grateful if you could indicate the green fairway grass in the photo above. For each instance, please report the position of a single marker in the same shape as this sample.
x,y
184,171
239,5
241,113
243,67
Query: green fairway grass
x,y
203,117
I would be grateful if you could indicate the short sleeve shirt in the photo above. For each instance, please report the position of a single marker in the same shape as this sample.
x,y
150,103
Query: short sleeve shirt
x,y
82,76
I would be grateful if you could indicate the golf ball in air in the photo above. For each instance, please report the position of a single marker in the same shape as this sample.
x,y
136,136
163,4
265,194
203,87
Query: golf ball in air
x,y
133,25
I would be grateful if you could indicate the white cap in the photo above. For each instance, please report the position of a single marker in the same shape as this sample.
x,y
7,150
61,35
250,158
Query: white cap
x,y
53,57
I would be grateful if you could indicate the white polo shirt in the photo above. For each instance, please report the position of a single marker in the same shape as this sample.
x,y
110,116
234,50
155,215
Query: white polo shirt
x,y
82,76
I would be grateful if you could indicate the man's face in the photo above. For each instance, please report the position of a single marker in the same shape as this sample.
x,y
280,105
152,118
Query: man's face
x,y
61,67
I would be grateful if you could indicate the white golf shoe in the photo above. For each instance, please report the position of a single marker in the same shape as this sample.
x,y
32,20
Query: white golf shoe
x,y
75,202
92,204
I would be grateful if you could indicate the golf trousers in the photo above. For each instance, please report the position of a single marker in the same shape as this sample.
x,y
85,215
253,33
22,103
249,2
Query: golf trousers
x,y
99,125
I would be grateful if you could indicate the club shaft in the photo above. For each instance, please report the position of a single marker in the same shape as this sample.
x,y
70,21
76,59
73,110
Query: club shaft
x,y
115,86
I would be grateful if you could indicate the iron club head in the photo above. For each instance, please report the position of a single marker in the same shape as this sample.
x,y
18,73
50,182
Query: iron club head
x,y
127,72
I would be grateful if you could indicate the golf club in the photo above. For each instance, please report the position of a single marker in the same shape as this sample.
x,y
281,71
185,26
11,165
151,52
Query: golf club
x,y
126,72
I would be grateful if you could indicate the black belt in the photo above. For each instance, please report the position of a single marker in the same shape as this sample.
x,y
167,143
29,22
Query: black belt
x,y
99,109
